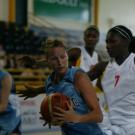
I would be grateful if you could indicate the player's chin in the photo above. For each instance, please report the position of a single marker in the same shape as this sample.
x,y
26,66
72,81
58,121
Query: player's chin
x,y
62,70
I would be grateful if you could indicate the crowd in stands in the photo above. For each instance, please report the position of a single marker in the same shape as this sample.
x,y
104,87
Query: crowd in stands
x,y
19,39
18,43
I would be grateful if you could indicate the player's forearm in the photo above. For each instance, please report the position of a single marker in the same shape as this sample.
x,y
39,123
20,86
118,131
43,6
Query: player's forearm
x,y
91,117
97,70
93,75
40,90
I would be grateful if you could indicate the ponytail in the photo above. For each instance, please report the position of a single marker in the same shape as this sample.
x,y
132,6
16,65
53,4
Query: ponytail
x,y
132,45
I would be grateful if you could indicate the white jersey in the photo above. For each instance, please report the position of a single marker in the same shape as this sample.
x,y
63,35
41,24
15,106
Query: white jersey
x,y
87,61
119,87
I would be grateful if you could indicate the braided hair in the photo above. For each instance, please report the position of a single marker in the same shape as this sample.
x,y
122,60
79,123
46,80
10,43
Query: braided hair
x,y
126,33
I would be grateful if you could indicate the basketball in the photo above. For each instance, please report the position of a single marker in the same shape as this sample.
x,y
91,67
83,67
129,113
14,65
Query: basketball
x,y
48,106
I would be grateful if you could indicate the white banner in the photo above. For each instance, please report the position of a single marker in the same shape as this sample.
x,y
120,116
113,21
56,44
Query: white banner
x,y
30,109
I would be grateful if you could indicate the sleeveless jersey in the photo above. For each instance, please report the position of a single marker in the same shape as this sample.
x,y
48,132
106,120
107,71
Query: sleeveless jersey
x,y
66,87
119,87
11,117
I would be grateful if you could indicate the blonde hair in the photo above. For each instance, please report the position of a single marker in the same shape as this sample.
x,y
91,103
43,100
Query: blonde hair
x,y
52,43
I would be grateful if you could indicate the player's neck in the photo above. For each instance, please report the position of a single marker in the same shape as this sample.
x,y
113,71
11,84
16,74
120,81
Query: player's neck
x,y
57,78
90,51
119,60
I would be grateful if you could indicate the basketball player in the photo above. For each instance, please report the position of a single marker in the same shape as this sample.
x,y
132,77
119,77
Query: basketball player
x,y
10,118
85,56
118,81
74,83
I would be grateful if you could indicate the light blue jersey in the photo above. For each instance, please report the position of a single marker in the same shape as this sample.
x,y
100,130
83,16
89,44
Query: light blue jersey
x,y
11,117
66,87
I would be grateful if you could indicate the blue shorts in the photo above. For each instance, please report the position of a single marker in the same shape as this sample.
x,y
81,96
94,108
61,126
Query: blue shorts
x,y
16,130
10,119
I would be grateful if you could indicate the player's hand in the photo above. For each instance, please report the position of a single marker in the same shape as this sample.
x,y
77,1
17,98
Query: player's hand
x,y
26,94
29,92
45,123
66,116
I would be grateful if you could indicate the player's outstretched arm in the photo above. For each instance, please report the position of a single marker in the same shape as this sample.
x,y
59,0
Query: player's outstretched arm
x,y
31,91
97,70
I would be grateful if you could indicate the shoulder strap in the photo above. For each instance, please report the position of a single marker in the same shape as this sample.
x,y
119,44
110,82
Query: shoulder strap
x,y
70,77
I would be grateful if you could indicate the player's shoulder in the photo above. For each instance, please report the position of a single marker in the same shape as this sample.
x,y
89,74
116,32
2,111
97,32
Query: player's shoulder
x,y
132,57
4,73
133,54
79,74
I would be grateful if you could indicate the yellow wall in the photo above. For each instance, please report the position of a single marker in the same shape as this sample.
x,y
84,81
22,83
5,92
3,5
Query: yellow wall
x,y
11,12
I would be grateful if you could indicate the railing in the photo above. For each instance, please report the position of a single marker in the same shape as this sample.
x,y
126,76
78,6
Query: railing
x,y
34,77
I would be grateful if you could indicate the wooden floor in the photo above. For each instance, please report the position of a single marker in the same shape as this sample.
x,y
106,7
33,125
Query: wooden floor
x,y
44,133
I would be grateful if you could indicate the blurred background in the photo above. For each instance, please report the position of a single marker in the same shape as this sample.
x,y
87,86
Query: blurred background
x,y
26,24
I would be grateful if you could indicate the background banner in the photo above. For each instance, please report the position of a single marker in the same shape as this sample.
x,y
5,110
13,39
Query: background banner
x,y
77,10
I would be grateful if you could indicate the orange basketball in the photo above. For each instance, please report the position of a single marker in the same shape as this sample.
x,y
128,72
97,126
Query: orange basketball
x,y
48,106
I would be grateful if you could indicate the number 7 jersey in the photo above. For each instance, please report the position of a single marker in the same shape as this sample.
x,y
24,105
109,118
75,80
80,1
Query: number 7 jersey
x,y
119,87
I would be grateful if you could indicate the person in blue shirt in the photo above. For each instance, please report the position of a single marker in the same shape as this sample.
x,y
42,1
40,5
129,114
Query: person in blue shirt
x,y
10,118
82,118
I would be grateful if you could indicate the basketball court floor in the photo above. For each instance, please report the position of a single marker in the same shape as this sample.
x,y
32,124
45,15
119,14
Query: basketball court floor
x,y
44,133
